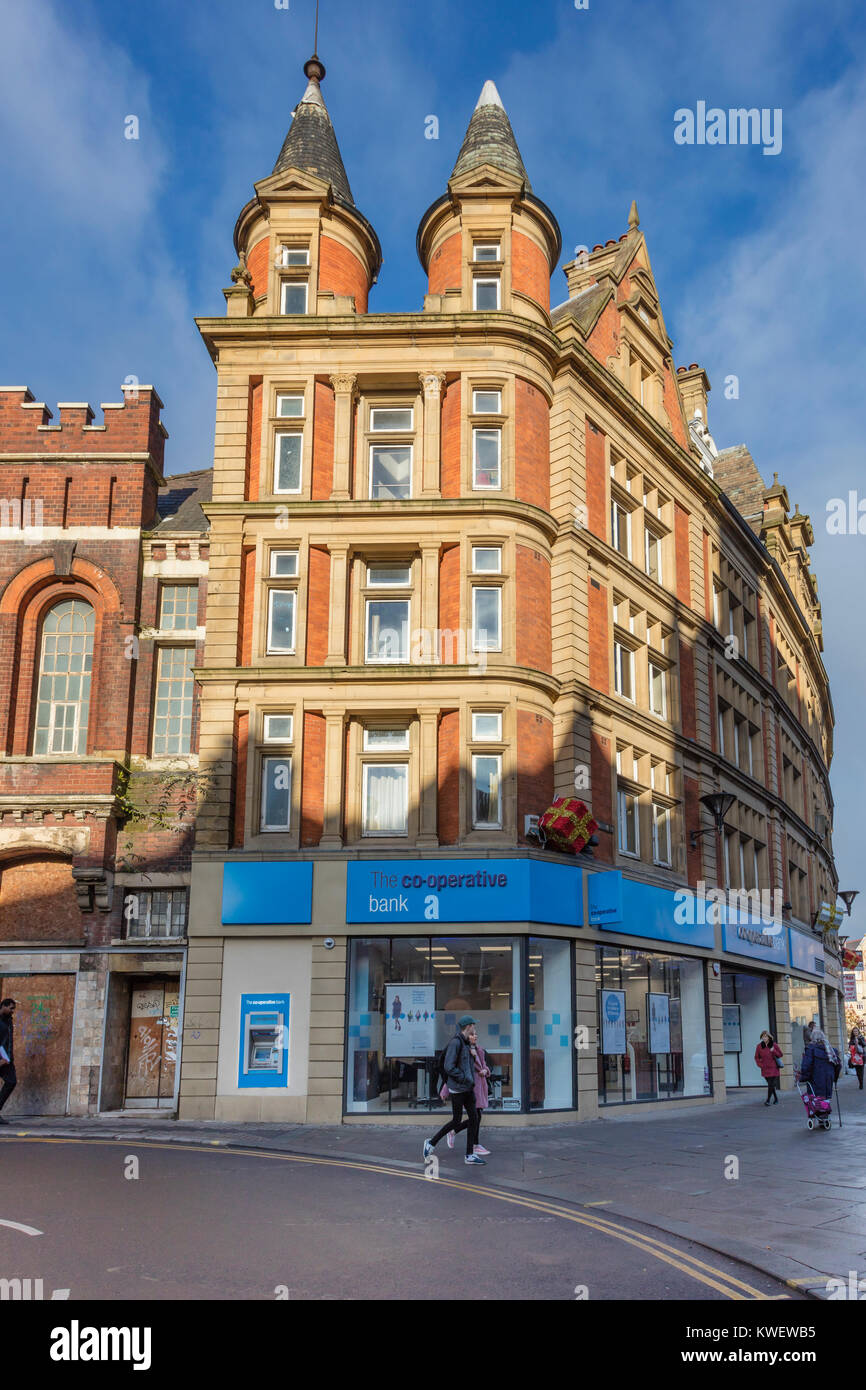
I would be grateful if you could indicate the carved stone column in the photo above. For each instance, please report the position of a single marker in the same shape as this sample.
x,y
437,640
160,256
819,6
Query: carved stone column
x,y
337,616
344,399
332,835
431,384
428,800
429,600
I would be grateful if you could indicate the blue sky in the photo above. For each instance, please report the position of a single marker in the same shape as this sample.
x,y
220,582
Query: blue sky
x,y
111,246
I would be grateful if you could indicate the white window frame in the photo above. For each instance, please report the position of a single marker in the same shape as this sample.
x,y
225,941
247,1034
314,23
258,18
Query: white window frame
x,y
617,507
54,728
486,487
487,550
717,605
488,645
486,280
268,737
665,813
389,583
386,660
370,746
721,714
274,556
375,444
478,714
285,285
486,246
661,671
727,837
282,651
618,649
383,834
623,796
288,251
162,593
290,396
650,534
265,826
288,491
487,824
486,391
392,429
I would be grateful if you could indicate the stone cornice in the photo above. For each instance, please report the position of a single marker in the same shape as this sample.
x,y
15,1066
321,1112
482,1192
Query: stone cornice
x,y
413,506
354,330
361,677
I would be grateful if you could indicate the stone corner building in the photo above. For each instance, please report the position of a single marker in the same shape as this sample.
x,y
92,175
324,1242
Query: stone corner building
x,y
466,560
103,568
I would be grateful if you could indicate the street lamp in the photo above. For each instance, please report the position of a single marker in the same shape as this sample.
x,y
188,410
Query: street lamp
x,y
718,804
849,897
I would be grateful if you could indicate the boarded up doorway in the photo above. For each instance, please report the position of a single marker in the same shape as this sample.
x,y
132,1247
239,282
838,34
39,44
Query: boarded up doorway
x,y
43,1038
152,1056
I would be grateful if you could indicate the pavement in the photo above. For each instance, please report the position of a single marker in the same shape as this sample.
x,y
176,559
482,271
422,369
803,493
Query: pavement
x,y
750,1182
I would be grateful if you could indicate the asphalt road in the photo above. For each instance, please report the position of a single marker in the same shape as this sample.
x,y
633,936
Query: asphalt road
x,y
215,1223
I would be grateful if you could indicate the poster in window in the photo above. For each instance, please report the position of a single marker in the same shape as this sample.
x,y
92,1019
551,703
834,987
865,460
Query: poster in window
x,y
731,1028
658,1012
410,1020
613,1022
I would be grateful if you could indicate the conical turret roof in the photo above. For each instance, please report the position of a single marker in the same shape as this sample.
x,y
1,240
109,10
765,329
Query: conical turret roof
x,y
489,138
311,144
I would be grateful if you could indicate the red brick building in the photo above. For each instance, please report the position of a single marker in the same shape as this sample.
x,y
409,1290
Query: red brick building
x,y
103,574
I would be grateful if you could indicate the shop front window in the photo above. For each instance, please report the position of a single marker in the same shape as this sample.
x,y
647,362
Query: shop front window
x,y
406,995
652,1026
805,1005
746,1012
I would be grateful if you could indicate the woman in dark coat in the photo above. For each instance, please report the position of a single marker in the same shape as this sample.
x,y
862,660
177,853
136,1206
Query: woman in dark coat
x,y
818,1067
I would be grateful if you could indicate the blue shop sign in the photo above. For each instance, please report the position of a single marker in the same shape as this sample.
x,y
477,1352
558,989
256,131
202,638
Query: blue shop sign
x,y
807,953
745,935
277,892
640,909
464,890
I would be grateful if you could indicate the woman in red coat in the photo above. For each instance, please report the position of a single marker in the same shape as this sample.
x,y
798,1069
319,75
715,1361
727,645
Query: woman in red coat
x,y
766,1054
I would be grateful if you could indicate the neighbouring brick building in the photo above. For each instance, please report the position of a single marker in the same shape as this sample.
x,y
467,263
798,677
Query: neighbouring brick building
x,y
103,573
465,560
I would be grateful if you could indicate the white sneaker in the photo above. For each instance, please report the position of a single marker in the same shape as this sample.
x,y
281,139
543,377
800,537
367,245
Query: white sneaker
x,y
427,1149
480,1149
449,1139
473,1158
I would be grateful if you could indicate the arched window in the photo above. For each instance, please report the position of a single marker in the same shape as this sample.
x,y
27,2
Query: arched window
x,y
65,664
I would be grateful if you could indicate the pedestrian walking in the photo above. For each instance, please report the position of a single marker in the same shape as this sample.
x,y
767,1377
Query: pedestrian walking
x,y
819,1065
856,1053
7,1053
767,1057
458,1067
482,1090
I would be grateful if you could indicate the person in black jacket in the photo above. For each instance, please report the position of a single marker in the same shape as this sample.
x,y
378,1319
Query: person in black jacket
x,y
459,1071
7,1042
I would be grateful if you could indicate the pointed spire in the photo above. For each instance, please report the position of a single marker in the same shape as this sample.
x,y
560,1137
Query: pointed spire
x,y
311,144
489,138
633,219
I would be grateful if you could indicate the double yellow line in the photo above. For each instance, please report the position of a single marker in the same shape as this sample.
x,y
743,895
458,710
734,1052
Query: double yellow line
x,y
726,1284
